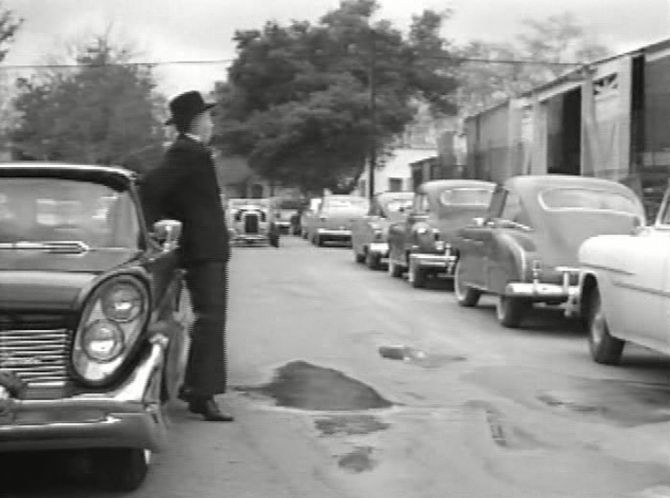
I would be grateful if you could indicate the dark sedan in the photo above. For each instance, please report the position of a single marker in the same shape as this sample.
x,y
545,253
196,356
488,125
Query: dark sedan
x,y
92,317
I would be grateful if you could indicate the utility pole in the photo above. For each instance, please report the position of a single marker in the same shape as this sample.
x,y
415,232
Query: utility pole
x,y
372,159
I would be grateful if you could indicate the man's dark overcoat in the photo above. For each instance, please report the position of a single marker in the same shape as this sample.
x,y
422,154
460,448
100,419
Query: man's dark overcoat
x,y
184,187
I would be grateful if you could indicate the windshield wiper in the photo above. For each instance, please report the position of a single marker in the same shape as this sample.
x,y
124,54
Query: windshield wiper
x,y
53,246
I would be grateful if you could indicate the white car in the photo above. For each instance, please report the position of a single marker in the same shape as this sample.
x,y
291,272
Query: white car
x,y
625,284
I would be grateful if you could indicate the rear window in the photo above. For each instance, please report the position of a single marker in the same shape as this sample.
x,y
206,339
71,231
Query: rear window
x,y
466,197
588,200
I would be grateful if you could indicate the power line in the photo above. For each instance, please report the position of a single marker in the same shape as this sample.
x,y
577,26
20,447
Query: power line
x,y
18,67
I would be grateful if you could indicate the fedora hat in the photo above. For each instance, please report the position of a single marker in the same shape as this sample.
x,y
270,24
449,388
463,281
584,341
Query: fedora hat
x,y
184,107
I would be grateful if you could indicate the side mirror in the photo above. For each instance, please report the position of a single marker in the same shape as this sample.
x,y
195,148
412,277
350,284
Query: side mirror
x,y
167,233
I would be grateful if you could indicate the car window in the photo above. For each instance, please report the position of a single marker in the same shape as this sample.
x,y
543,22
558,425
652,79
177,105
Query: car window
x,y
345,204
42,210
465,197
588,199
512,209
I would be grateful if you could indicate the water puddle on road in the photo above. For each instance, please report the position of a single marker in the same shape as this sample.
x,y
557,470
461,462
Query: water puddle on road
x,y
357,461
349,425
305,386
623,402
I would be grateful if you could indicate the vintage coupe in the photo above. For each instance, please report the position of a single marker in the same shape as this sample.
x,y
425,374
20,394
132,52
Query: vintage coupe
x,y
369,234
525,249
626,289
93,315
422,243
251,221
333,219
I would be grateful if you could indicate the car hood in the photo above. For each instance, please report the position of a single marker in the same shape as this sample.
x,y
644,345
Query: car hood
x,y
40,281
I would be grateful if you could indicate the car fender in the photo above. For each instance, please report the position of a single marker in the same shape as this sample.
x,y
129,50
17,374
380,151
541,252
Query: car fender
x,y
510,260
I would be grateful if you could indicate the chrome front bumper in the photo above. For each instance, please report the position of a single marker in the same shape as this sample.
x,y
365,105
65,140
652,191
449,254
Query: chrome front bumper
x,y
327,232
379,248
249,238
444,262
122,418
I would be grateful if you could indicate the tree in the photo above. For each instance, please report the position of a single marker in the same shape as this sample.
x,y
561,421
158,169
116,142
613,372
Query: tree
x,y
554,44
104,112
298,102
9,24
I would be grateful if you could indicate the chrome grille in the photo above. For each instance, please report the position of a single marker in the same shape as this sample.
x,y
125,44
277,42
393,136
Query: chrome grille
x,y
39,357
250,222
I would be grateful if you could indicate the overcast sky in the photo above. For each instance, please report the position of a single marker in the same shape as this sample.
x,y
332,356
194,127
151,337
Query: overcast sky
x,y
202,29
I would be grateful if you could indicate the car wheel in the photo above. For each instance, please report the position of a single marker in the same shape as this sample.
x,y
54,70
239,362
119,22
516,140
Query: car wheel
x,y
465,295
511,310
121,469
416,276
394,269
372,260
604,348
318,241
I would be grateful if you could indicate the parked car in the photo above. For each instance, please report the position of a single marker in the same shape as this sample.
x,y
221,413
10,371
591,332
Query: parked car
x,y
251,221
369,234
93,317
525,249
422,243
624,289
285,210
308,215
334,217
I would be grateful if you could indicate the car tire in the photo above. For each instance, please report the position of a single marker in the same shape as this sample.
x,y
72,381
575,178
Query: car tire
x,y
372,260
359,258
318,240
465,295
394,269
510,311
416,276
120,469
604,348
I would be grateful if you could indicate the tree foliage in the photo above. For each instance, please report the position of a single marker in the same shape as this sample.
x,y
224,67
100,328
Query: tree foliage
x,y
298,100
104,112
9,24
550,42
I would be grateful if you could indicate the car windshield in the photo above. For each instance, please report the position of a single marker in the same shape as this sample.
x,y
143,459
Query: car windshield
x,y
587,199
466,197
50,210
346,204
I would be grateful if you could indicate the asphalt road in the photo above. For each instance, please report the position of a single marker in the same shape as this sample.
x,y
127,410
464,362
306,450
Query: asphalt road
x,y
476,411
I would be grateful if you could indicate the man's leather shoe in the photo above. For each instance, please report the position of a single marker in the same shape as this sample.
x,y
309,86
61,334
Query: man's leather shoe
x,y
208,408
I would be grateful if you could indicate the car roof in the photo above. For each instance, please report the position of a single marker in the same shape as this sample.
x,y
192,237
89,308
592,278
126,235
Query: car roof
x,y
433,186
528,186
113,176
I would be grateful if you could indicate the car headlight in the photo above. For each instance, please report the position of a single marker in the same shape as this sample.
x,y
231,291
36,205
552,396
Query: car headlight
x,y
123,303
422,230
102,341
111,324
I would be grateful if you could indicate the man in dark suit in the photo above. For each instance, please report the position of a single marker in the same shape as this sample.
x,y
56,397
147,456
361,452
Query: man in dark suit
x,y
184,188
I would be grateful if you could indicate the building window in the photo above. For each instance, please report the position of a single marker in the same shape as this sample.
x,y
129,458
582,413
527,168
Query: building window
x,y
395,184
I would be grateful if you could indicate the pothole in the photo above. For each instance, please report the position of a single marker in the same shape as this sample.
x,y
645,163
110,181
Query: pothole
x,y
302,385
349,425
417,356
357,461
